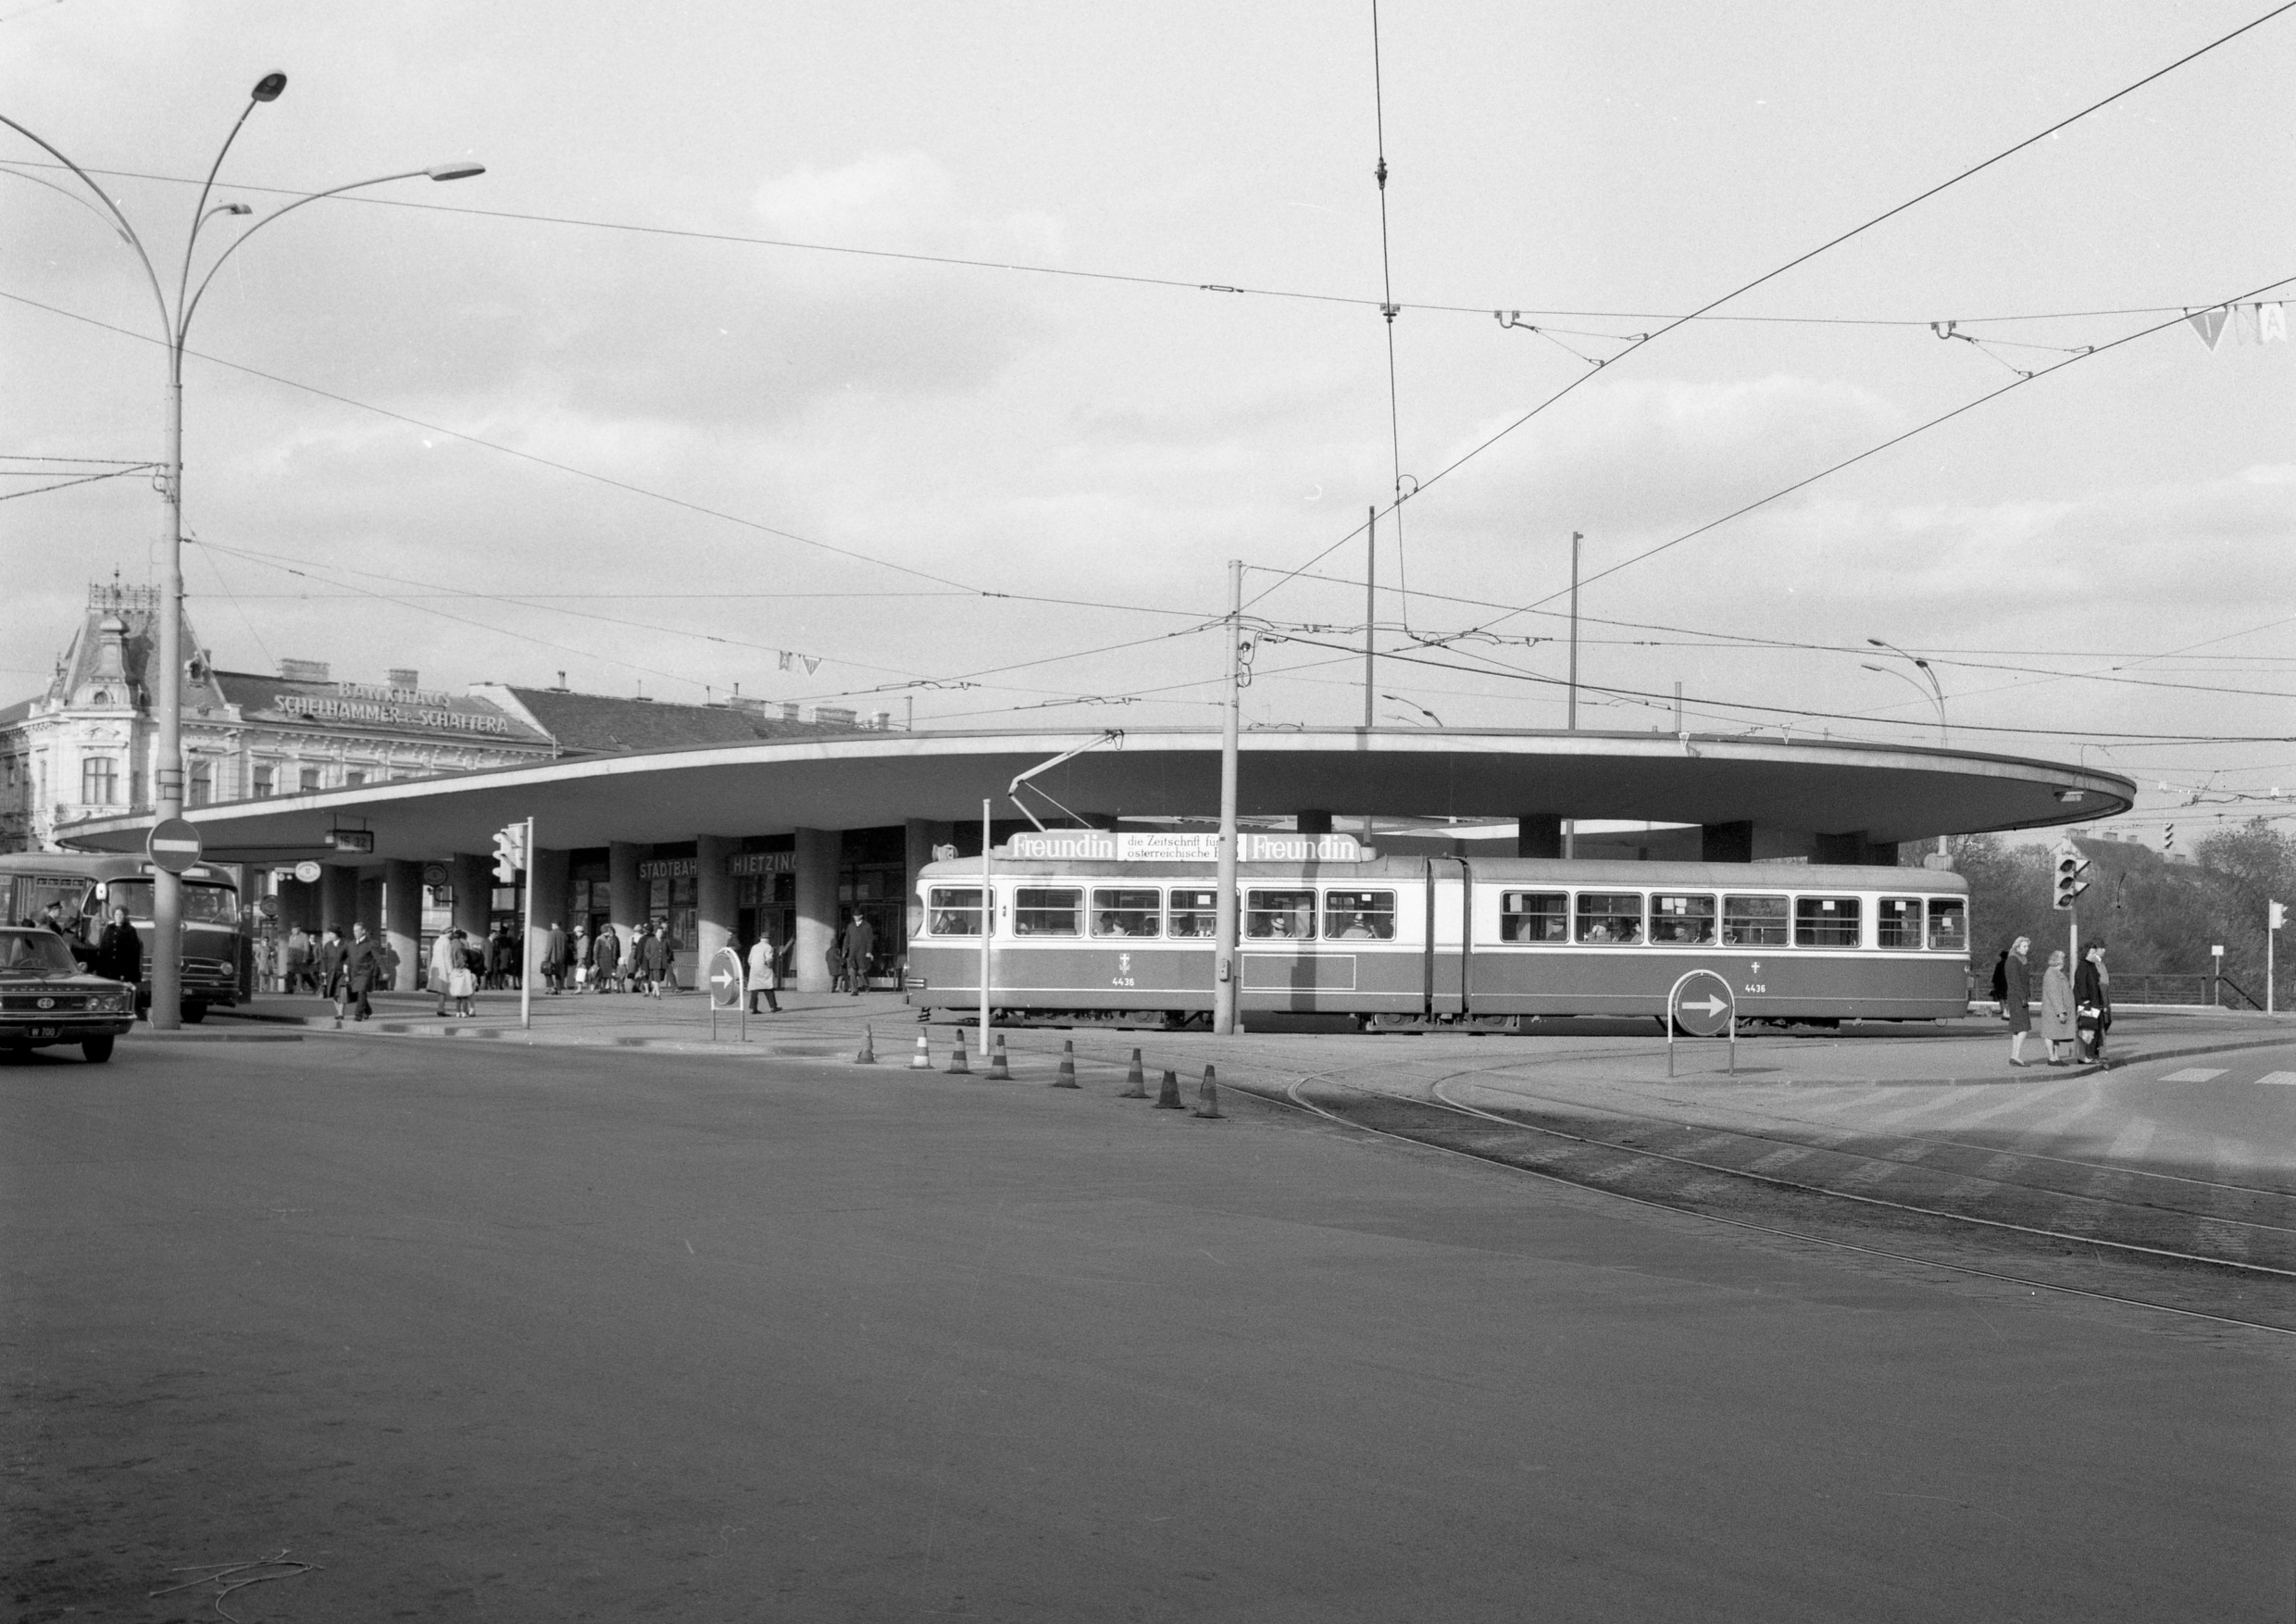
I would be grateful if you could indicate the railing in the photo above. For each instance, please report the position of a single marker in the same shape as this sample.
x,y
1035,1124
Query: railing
x,y
2161,988
2227,984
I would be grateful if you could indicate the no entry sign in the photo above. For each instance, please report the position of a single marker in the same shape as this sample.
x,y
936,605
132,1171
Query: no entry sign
x,y
173,844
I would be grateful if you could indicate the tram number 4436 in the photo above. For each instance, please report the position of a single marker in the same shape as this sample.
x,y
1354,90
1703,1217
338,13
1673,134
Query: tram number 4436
x,y
1755,987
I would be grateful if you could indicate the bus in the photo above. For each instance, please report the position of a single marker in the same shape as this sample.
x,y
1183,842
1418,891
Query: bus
x,y
84,887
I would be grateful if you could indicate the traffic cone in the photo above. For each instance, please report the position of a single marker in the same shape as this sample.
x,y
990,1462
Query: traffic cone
x,y
1208,1096
868,1056
922,1059
1168,1097
1135,1081
998,1070
957,1066
1067,1079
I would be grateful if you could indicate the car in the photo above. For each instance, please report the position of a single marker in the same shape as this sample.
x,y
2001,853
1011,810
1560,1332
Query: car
x,y
47,1000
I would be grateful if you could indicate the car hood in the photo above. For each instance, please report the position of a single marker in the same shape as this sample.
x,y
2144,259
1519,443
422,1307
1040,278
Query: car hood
x,y
57,978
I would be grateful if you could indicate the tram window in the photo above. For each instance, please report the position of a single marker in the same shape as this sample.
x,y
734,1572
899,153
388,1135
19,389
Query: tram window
x,y
1612,917
1682,919
1754,921
1196,913
955,912
1826,921
1359,916
1534,916
1042,911
1949,924
1897,921
1280,916
1128,912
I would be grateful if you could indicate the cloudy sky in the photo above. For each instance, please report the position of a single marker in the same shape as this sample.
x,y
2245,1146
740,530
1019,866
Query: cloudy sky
x,y
796,327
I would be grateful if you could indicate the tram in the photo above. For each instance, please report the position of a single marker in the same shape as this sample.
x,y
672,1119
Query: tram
x,y
85,887
1407,942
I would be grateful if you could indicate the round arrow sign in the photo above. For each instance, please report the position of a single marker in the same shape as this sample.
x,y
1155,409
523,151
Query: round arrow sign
x,y
173,844
725,979
1701,1004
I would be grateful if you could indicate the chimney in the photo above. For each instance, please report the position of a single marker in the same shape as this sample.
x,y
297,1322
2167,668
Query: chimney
x,y
303,670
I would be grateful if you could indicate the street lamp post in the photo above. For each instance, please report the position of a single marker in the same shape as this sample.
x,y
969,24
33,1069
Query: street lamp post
x,y
175,327
1937,693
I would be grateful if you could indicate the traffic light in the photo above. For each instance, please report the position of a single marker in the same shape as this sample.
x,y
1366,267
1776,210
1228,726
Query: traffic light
x,y
2276,915
509,853
2070,867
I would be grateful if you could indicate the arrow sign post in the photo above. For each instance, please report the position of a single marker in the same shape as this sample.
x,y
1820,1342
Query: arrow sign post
x,y
1701,1004
727,985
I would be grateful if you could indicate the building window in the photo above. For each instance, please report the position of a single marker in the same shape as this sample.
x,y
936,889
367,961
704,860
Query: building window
x,y
202,782
353,780
309,780
99,781
265,777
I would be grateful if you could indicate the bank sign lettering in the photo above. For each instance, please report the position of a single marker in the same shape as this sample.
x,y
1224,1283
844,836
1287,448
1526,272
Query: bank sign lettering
x,y
1100,846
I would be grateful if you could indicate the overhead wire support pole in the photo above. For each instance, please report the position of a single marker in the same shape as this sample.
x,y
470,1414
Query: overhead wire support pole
x,y
1371,617
1389,310
1570,825
1224,966
988,921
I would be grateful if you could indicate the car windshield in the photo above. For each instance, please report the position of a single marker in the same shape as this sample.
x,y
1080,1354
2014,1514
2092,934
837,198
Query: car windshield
x,y
39,950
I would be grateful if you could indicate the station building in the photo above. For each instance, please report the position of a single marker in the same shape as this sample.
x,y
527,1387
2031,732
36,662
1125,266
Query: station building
x,y
726,840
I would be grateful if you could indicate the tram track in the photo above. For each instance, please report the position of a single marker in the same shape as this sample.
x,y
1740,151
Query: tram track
x,y
2114,1254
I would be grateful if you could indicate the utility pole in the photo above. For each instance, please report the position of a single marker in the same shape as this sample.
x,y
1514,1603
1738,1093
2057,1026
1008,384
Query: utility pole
x,y
988,918
1224,966
1574,631
1371,566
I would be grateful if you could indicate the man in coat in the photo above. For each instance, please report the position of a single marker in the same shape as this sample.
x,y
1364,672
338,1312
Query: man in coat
x,y
553,964
364,965
860,942
2092,1001
120,954
332,975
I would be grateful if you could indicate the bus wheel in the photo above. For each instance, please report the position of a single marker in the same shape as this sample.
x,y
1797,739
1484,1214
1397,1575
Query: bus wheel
x,y
194,1012
97,1050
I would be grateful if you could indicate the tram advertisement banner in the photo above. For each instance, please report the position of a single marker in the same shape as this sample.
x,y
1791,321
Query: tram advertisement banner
x,y
1100,846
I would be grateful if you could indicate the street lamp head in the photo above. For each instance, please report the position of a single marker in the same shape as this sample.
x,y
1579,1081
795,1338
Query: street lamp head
x,y
236,208
1877,642
462,171
267,87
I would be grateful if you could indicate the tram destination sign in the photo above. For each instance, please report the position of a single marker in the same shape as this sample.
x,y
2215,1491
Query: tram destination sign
x,y
1101,845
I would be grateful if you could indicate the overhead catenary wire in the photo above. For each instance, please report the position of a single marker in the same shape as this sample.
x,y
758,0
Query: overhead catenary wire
x,y
1177,284
1802,258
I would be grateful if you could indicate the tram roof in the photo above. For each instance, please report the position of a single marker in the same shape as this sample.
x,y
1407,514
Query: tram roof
x,y
1890,793
1559,873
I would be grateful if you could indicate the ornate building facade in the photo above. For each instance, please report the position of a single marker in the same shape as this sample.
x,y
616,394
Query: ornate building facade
x,y
82,747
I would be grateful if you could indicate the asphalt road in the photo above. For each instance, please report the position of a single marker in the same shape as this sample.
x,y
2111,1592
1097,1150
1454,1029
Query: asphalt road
x,y
557,1334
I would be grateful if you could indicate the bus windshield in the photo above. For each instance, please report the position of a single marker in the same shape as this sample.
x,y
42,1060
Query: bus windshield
x,y
202,904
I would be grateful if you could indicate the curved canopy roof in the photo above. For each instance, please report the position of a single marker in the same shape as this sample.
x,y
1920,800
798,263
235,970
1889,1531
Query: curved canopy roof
x,y
1890,793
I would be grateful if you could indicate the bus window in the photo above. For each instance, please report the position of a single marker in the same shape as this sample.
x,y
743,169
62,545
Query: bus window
x,y
1284,916
1196,913
1610,917
1897,921
68,893
1534,916
1754,921
1040,911
1682,919
1826,921
1949,924
1126,913
952,911
1359,916
202,904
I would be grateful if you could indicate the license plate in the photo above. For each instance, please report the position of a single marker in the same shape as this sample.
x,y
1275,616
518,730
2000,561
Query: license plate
x,y
45,1034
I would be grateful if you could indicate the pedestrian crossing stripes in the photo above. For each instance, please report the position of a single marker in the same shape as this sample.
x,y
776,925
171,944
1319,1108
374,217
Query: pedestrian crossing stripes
x,y
2193,1074
2279,1076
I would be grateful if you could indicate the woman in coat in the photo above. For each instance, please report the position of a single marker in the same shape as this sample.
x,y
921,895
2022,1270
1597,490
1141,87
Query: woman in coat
x,y
446,959
650,961
2093,1002
2016,999
2057,1006
606,959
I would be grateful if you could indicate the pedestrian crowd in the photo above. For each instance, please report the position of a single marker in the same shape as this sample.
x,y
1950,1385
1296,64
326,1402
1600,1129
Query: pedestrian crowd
x,y
2076,1012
